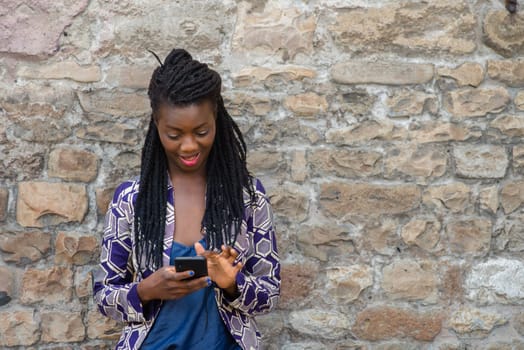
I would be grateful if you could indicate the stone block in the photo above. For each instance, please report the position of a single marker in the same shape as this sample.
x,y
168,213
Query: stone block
x,y
324,242
345,162
62,70
508,233
265,161
381,236
42,203
481,161
129,76
410,280
470,102
109,132
34,29
339,199
103,199
471,236
291,203
504,32
319,323
403,26
423,233
241,104
519,100
455,197
114,103
73,164
4,203
509,125
436,131
512,195
475,322
272,77
496,281
274,30
357,102
382,323
385,73
7,281
306,105
411,103
422,163
299,166
365,132
518,158
50,286
74,248
346,283
25,247
297,283
489,199
83,281
19,328
508,72
61,326
467,74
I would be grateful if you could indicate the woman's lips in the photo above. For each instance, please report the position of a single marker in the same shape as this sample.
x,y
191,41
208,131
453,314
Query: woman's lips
x,y
190,160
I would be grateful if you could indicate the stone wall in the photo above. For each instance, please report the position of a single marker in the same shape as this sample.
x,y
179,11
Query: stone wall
x,y
388,133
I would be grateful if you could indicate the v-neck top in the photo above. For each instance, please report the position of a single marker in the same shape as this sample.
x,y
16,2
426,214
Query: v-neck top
x,y
191,322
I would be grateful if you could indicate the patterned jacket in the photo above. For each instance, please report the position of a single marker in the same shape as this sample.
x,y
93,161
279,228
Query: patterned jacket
x,y
117,277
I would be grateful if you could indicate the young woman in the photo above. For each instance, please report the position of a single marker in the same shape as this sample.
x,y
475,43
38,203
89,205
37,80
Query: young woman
x,y
194,196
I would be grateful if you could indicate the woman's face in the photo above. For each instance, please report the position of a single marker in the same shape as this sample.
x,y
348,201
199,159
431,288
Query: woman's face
x,y
187,134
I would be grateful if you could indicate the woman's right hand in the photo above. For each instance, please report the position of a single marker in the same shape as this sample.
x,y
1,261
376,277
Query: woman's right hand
x,y
167,283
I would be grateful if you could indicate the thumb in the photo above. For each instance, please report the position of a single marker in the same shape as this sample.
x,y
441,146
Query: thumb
x,y
199,248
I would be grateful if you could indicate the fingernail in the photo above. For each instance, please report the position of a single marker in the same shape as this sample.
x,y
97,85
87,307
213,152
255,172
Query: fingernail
x,y
191,273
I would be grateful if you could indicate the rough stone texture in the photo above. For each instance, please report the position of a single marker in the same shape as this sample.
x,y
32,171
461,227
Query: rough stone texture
x,y
467,74
41,203
509,125
518,158
422,163
518,323
403,26
82,281
387,322
497,280
388,73
50,286
103,199
422,233
306,105
367,131
346,163
62,70
512,196
272,77
24,247
297,283
480,161
441,132
407,103
290,203
274,30
519,100
74,248
406,279
100,327
475,322
73,164
34,28
319,323
504,32
239,104
340,198
509,233
325,242
508,72
4,201
18,328
345,283
115,104
299,171
489,199
453,196
469,102
109,132
7,281
381,236
469,236
129,76
60,326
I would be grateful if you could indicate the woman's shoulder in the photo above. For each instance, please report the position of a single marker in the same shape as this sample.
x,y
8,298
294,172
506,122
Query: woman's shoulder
x,y
126,190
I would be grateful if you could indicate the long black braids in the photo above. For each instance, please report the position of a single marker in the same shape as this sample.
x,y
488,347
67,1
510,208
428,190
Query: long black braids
x,y
182,81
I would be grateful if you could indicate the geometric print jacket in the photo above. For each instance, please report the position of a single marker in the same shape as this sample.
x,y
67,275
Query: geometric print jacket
x,y
117,276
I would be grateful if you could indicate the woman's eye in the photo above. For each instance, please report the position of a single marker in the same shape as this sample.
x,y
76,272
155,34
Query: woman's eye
x,y
173,137
202,133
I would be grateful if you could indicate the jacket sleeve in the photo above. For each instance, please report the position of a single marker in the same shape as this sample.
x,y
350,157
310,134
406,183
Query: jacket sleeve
x,y
115,292
259,281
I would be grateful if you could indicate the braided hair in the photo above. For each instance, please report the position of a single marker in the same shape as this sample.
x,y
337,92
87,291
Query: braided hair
x,y
182,81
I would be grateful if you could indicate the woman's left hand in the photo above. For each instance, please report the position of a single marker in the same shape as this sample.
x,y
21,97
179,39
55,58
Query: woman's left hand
x,y
221,268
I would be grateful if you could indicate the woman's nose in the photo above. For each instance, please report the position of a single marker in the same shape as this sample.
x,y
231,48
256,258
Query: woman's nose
x,y
188,145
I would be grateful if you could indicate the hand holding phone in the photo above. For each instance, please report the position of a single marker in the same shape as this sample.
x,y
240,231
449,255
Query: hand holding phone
x,y
197,264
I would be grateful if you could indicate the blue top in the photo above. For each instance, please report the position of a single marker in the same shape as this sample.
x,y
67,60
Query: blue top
x,y
192,322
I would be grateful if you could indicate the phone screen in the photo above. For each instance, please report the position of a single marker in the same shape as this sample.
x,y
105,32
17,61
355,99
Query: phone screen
x,y
198,264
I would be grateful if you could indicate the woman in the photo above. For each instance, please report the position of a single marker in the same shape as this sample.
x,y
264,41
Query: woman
x,y
194,197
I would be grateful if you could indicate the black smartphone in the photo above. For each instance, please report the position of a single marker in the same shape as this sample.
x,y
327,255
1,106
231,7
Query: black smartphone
x,y
198,264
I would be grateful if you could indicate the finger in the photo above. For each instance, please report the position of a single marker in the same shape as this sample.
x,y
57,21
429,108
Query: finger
x,y
200,250
180,276
225,252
